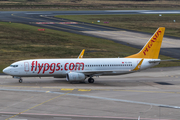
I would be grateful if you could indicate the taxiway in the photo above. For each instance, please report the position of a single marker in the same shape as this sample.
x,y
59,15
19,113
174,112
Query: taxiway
x,y
152,94
46,19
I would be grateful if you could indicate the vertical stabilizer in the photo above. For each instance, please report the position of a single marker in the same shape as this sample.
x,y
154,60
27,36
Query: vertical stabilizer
x,y
152,47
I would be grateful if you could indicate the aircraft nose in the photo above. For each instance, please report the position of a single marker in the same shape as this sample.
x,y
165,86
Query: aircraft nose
x,y
5,70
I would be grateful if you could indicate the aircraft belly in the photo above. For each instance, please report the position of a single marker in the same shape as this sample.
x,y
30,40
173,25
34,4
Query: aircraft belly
x,y
116,73
38,75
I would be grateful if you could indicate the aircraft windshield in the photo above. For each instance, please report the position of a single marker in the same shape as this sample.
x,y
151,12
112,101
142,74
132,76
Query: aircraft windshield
x,y
13,65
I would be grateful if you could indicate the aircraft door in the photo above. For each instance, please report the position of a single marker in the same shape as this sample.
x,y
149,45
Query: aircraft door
x,y
26,66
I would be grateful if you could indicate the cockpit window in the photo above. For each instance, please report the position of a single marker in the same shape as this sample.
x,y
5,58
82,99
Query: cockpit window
x,y
13,65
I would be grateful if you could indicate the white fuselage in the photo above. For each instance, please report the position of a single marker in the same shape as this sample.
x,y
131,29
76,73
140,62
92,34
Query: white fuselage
x,y
87,66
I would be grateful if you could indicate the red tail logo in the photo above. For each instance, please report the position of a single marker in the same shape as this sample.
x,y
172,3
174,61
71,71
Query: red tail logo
x,y
151,42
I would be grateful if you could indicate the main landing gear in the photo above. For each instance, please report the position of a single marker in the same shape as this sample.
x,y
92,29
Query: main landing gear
x,y
20,80
91,80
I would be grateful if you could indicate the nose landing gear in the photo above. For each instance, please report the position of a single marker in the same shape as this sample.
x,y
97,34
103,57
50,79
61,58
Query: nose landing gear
x,y
20,80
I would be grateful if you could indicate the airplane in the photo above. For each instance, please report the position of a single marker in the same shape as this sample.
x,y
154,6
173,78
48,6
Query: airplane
x,y
82,68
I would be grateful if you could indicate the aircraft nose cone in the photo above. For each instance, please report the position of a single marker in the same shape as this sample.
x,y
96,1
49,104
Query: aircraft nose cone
x,y
5,70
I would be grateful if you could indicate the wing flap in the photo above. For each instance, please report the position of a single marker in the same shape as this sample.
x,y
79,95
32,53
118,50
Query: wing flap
x,y
100,72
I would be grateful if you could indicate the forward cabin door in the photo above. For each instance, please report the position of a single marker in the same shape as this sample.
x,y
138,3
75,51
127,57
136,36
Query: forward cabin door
x,y
26,66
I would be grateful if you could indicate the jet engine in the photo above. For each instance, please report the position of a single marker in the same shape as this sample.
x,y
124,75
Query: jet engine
x,y
75,77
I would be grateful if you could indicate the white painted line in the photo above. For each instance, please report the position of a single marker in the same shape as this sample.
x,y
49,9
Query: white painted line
x,y
16,119
161,12
82,116
95,97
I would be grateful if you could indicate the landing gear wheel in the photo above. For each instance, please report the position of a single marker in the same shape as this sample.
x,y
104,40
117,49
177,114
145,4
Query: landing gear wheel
x,y
91,80
20,80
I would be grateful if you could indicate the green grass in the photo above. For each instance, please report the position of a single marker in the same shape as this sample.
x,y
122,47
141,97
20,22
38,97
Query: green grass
x,y
20,41
88,5
143,23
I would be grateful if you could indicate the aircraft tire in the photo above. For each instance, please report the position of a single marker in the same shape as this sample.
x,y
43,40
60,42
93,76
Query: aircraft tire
x,y
91,80
20,80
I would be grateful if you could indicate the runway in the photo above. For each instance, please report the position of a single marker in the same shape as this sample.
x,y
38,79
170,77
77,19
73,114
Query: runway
x,y
46,19
152,94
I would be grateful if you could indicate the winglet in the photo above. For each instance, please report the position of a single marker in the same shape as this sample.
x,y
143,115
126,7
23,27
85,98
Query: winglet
x,y
138,66
81,54
152,47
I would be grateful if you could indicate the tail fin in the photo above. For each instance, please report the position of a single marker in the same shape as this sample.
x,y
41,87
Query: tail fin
x,y
152,47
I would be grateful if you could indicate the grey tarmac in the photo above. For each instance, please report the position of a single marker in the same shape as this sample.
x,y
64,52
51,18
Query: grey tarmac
x,y
153,94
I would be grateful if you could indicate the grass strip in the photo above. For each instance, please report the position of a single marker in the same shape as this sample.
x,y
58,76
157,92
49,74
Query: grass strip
x,y
89,5
20,41
142,23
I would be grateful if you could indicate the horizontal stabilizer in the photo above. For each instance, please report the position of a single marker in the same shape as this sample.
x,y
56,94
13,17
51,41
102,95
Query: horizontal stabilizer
x,y
170,60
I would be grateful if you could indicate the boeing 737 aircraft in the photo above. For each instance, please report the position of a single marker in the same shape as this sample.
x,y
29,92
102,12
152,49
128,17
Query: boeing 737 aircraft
x,y
82,68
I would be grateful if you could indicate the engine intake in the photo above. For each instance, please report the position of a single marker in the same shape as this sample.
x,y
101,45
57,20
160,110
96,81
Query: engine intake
x,y
75,77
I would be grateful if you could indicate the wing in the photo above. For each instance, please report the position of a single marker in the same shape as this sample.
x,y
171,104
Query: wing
x,y
122,71
81,54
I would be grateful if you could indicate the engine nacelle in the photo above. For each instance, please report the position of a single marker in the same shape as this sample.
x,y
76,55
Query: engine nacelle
x,y
75,77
